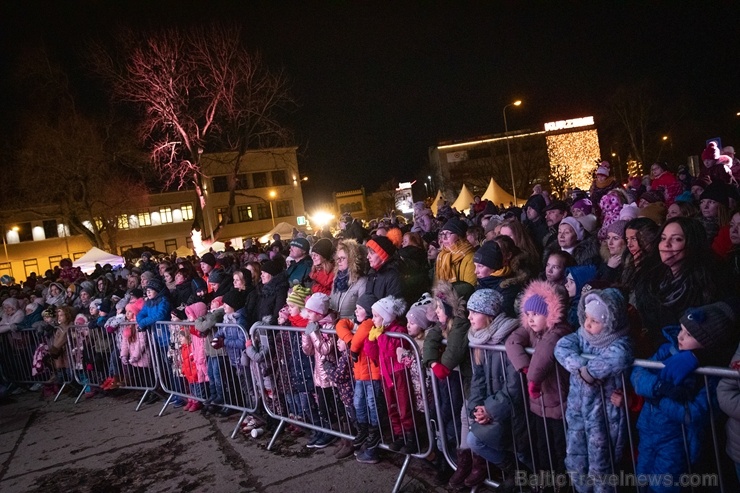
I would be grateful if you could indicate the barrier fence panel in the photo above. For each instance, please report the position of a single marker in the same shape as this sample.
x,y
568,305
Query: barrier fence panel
x,y
33,357
185,370
529,449
309,379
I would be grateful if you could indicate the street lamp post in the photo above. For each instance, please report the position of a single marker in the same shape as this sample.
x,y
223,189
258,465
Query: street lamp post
x,y
272,214
508,148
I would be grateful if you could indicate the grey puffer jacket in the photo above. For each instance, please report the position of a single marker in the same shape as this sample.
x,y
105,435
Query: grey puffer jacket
x,y
728,395
345,302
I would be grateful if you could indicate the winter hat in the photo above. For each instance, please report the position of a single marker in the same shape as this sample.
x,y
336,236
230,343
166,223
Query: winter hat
x,y
584,204
366,301
596,308
155,285
589,223
96,303
271,267
324,248
105,306
536,304
489,254
652,197
301,243
389,308
573,223
396,237
617,227
581,274
196,310
49,312
418,315
711,152
711,325
629,212
684,197
137,293
318,302
728,150
32,307
216,276
209,259
557,205
234,298
486,301
655,212
456,226
147,275
298,295
536,202
610,308
11,303
603,170
701,181
718,192
382,246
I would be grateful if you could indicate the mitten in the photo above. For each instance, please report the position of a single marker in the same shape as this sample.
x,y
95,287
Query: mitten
x,y
678,367
586,376
535,390
355,356
311,327
440,371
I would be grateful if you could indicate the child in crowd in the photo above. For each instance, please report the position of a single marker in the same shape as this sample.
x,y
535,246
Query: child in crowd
x,y
367,393
236,379
575,278
135,351
542,324
556,264
205,324
597,428
190,371
675,415
418,322
321,347
198,345
382,348
495,406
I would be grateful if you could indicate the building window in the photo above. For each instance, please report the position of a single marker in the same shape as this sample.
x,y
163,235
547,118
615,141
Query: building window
x,y
244,212
77,255
126,248
189,242
6,268
54,260
31,265
187,212
220,184
259,180
123,221
165,215
263,211
279,178
170,245
149,244
241,182
24,232
145,219
50,228
221,212
283,208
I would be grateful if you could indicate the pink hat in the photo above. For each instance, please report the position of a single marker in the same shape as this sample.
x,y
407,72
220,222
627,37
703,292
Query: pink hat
x,y
711,152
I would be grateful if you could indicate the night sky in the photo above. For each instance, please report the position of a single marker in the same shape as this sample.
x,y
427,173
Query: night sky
x,y
377,83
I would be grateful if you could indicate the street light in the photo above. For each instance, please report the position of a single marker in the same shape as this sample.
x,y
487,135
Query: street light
x,y
272,214
5,241
508,148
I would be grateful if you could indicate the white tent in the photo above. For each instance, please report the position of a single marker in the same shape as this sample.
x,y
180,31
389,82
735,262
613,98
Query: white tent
x,y
497,195
435,203
463,200
97,256
183,251
285,230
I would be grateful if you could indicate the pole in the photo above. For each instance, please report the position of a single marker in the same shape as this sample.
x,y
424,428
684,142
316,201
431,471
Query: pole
x,y
5,245
272,216
508,151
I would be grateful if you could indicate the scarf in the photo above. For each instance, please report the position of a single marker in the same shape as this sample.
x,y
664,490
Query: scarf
x,y
341,280
605,338
495,333
448,261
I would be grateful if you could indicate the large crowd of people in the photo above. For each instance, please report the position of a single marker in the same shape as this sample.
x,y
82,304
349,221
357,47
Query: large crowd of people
x,y
648,270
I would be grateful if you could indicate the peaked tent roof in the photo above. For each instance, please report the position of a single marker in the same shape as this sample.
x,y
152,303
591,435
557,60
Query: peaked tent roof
x,y
183,251
497,195
285,230
435,202
95,255
463,200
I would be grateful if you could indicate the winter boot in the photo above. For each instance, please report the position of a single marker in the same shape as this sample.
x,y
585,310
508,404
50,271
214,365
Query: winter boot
x,y
368,455
508,470
373,438
397,444
478,473
344,450
361,435
464,466
410,447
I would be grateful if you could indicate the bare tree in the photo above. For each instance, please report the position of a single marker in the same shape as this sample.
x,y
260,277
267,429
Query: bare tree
x,y
636,111
199,89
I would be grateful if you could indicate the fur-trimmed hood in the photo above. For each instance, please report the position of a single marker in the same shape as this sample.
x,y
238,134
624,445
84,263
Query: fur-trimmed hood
x,y
617,309
554,295
444,291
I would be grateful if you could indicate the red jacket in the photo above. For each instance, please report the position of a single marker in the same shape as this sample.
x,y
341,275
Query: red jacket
x,y
365,368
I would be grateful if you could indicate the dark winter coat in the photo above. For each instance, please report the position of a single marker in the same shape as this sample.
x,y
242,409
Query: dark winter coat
x,y
386,281
272,298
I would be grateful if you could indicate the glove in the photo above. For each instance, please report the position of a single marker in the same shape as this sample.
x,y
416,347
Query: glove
x,y
217,343
355,356
586,376
535,390
312,327
664,352
440,371
678,367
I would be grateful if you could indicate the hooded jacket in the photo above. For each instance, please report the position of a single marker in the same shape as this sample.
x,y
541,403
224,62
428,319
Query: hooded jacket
x,y
455,353
728,395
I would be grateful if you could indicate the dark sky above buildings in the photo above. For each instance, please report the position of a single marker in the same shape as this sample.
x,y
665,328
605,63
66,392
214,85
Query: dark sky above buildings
x,y
378,83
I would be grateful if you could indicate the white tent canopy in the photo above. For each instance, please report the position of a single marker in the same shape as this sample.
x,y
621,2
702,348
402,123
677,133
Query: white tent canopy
x,y
97,256
463,200
285,230
435,203
497,195
183,251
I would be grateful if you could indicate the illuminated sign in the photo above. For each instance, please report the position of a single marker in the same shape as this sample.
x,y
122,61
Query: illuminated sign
x,y
563,124
300,220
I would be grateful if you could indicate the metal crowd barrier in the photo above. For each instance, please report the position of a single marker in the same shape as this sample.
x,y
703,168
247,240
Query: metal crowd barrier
x,y
288,362
26,359
234,385
713,469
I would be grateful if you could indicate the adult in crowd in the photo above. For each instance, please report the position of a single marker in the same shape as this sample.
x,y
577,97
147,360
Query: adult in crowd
x,y
616,252
242,282
414,267
491,273
322,271
665,183
715,216
211,269
555,212
299,270
733,257
602,184
641,237
455,260
349,278
352,229
383,278
530,253
534,221
274,292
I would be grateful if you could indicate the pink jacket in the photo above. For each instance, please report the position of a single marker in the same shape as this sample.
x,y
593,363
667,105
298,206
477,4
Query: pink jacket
x,y
135,353
199,354
321,347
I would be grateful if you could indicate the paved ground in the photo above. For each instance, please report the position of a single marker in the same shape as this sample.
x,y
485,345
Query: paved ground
x,y
103,445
